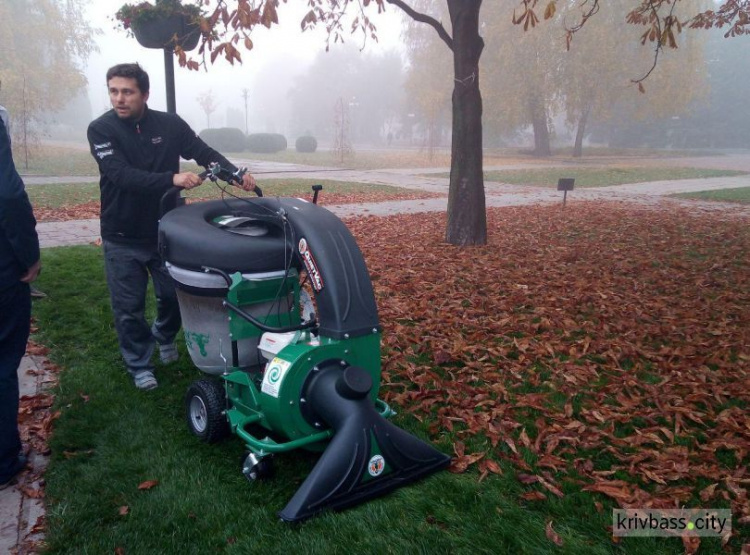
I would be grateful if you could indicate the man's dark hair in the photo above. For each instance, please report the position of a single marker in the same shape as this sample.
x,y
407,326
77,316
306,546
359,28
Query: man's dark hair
x,y
130,71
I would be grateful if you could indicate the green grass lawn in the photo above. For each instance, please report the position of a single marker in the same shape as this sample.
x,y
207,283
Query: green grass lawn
x,y
740,195
56,160
602,177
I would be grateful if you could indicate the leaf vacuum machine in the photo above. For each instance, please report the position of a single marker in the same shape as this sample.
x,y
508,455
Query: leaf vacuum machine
x,y
278,311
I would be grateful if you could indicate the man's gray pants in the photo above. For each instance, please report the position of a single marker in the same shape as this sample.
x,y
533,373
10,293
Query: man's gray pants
x,y
128,268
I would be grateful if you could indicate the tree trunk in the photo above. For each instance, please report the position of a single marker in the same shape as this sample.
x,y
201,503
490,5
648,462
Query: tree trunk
x,y
541,129
467,217
578,148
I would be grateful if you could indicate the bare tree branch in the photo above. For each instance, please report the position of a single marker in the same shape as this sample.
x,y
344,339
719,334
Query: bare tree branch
x,y
422,18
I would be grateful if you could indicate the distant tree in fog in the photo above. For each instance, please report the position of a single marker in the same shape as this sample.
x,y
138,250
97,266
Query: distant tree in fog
x,y
429,82
714,120
207,102
661,21
44,43
370,85
606,56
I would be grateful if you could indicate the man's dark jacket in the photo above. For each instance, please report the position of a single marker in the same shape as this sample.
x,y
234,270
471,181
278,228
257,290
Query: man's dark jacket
x,y
137,160
19,243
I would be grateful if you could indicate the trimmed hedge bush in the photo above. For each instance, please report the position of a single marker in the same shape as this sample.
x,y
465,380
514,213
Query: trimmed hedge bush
x,y
266,143
224,139
306,143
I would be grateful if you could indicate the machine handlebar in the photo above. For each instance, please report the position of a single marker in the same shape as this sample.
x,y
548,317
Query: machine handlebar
x,y
214,172
172,199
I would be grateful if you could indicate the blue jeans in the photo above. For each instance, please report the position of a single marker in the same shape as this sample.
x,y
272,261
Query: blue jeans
x,y
15,316
128,268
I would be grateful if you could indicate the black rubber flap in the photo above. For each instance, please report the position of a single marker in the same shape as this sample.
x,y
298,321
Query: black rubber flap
x,y
367,457
337,270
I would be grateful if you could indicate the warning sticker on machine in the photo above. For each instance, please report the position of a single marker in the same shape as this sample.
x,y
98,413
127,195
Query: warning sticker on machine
x,y
274,376
316,279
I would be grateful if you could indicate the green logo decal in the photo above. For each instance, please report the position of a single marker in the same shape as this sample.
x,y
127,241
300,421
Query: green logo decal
x,y
274,373
201,340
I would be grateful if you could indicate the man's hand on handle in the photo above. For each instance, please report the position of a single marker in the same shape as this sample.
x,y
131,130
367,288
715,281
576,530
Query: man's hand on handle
x,y
248,182
187,180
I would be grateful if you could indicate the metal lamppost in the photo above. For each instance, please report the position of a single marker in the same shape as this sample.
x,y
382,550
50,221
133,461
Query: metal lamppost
x,y
245,94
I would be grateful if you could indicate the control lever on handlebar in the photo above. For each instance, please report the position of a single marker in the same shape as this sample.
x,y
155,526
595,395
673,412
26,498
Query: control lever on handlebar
x,y
214,172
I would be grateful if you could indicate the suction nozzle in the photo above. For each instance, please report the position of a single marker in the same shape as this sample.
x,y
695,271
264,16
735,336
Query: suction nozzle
x,y
367,457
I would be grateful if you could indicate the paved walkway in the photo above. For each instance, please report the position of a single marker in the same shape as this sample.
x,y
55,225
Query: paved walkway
x,y
19,513
81,232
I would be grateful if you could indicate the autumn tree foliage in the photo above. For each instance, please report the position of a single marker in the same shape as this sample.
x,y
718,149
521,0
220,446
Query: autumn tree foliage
x,y
660,20
596,72
43,43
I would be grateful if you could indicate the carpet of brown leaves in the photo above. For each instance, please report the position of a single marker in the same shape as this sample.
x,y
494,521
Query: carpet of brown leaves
x,y
611,342
36,419
35,414
85,211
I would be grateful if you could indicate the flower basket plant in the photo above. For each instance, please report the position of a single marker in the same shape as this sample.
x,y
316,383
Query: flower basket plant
x,y
164,24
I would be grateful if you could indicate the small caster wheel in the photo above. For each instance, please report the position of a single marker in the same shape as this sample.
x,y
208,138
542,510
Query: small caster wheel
x,y
255,467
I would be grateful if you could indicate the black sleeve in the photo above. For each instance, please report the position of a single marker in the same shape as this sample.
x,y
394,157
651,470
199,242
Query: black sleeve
x,y
194,148
17,220
113,164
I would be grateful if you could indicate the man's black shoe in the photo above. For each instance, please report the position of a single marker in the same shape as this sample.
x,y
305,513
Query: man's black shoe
x,y
19,465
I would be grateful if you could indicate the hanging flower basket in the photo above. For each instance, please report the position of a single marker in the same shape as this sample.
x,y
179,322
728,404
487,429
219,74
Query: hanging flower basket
x,y
166,24
167,32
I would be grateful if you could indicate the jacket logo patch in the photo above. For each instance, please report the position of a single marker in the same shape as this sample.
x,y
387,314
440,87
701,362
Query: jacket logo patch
x,y
156,140
104,153
102,145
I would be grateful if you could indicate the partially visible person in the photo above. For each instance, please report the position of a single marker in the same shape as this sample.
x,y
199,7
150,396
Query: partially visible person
x,y
35,293
6,119
19,266
138,151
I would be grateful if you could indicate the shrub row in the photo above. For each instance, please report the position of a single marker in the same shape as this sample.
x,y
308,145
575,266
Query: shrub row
x,y
224,139
306,143
231,139
266,143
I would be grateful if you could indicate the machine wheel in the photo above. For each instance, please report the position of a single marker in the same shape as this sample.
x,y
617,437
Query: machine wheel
x,y
205,403
256,468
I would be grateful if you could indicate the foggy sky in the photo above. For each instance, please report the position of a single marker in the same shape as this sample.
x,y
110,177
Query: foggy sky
x,y
279,55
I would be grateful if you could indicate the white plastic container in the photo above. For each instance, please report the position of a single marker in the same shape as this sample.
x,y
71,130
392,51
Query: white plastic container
x,y
205,321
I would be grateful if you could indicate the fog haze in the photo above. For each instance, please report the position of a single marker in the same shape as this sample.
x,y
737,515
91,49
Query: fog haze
x,y
397,91
280,57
